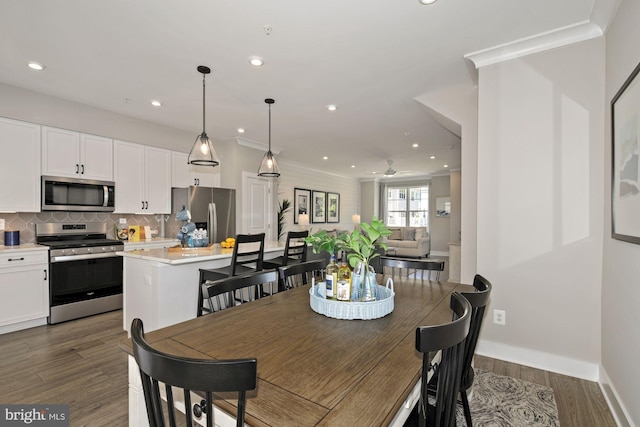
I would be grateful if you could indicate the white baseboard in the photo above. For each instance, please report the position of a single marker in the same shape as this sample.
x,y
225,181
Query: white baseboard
x,y
618,410
23,325
538,359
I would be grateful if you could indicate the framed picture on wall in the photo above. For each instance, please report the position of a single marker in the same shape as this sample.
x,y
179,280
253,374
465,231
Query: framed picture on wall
x,y
318,207
333,207
301,203
625,161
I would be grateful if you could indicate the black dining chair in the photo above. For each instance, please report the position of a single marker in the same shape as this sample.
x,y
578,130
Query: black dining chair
x,y
247,257
478,300
294,275
449,340
197,375
295,250
418,264
230,291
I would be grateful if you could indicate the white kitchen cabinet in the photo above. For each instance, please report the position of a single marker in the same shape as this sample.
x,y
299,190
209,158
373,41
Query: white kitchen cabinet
x,y
24,288
76,155
19,166
184,174
143,178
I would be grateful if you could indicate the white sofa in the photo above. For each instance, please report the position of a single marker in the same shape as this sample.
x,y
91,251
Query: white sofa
x,y
409,242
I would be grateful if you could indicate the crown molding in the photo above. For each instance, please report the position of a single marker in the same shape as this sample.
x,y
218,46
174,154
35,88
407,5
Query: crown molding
x,y
257,145
538,43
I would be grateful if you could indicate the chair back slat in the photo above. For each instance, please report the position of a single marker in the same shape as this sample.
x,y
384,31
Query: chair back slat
x,y
478,300
416,264
225,293
233,375
298,274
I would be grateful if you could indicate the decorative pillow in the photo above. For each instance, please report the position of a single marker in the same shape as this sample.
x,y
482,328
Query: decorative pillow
x,y
419,233
396,234
409,234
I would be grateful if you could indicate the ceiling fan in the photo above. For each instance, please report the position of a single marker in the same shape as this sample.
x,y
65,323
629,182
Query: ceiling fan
x,y
391,171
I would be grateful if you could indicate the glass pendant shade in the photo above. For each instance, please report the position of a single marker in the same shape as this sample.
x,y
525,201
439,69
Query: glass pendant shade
x,y
269,166
202,153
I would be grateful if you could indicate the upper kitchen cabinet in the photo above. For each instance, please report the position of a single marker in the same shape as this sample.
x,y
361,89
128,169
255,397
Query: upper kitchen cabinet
x,y
184,174
19,166
76,155
143,178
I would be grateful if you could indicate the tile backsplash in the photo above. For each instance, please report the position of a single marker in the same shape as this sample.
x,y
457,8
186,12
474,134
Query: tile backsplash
x,y
25,222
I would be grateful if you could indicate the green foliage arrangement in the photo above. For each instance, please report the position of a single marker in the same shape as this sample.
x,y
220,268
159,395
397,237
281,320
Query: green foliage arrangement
x,y
283,208
361,244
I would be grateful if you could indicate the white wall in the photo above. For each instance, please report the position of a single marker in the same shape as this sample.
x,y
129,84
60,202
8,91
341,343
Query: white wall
x,y
621,271
296,176
540,215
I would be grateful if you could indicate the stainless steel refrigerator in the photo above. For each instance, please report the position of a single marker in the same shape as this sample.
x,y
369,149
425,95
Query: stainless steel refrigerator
x,y
211,208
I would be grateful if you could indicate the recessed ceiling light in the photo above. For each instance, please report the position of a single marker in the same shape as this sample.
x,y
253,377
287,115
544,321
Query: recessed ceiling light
x,y
240,130
432,157
35,66
445,166
256,61
415,145
353,166
426,1
332,107
325,158
156,103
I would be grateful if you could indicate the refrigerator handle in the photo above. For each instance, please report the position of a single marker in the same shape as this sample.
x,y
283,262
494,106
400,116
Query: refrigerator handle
x,y
212,223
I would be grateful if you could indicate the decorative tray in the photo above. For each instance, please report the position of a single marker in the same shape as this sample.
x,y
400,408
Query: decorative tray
x,y
353,310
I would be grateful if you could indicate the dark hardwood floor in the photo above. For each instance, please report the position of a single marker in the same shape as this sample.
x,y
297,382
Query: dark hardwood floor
x,y
79,363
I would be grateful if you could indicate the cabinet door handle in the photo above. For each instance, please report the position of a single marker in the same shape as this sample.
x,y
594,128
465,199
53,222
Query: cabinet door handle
x,y
16,259
77,168
82,173
45,274
142,204
146,205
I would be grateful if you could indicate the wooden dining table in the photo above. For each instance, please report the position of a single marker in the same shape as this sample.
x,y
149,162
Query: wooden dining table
x,y
312,370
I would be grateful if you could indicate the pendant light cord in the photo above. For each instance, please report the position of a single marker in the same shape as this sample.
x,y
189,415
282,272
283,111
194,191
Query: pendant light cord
x,y
203,104
269,128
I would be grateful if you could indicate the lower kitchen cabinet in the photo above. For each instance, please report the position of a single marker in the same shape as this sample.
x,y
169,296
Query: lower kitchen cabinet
x,y
24,287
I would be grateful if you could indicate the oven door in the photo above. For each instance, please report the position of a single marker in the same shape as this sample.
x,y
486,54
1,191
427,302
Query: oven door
x,y
84,279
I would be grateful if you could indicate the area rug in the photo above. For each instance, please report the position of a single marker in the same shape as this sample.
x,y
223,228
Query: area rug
x,y
500,401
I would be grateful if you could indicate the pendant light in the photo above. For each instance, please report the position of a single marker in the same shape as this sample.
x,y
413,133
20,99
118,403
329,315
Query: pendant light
x,y
202,152
269,167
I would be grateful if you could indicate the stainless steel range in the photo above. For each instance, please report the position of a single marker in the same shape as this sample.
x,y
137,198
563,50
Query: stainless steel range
x,y
85,274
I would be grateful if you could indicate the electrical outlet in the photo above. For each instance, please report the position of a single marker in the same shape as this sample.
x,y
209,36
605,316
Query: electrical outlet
x,y
1,223
122,220
500,317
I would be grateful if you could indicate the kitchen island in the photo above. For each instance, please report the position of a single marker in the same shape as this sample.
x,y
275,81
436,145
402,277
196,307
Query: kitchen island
x,y
161,285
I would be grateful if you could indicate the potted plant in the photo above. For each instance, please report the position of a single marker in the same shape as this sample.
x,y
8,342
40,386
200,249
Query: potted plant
x,y
323,241
362,246
283,208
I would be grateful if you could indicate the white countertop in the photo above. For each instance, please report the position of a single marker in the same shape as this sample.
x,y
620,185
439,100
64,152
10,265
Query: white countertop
x,y
191,255
25,247
153,242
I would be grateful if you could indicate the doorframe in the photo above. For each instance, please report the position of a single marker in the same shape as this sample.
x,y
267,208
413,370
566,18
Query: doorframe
x,y
245,194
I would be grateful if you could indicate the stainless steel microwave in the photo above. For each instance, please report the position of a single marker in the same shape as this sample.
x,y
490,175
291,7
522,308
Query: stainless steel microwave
x,y
73,194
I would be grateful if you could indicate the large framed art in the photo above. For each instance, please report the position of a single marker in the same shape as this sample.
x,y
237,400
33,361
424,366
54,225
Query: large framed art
x,y
333,207
301,203
319,207
625,164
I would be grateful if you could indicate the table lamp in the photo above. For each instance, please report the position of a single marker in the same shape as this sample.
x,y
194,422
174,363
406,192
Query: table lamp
x,y
303,220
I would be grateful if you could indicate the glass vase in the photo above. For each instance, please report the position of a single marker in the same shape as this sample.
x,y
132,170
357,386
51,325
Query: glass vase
x,y
364,280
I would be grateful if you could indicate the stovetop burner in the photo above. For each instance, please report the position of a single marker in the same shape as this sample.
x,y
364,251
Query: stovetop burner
x,y
76,235
63,244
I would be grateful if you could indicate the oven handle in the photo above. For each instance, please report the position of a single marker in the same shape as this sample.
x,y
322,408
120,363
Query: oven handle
x,y
65,258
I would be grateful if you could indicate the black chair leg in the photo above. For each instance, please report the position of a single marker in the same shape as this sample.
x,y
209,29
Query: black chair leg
x,y
465,407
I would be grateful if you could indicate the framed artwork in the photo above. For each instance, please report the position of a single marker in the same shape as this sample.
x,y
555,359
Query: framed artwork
x,y
301,203
625,161
318,207
333,207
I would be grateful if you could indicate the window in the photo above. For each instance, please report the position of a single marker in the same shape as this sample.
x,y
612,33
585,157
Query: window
x,y
407,206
